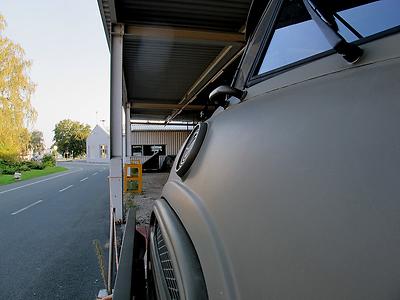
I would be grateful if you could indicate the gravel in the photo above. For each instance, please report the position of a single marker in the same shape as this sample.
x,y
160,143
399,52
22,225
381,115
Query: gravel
x,y
152,187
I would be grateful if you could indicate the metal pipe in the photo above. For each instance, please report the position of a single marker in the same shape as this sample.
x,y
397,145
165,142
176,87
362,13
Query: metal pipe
x,y
115,244
128,130
110,253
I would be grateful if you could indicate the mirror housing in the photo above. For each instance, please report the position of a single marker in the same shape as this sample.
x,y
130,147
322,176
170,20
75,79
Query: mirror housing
x,y
225,90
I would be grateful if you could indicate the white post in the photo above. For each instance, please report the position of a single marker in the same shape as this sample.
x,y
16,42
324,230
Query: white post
x,y
128,149
116,120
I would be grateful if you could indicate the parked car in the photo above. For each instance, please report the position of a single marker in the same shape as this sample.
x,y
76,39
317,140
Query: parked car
x,y
293,191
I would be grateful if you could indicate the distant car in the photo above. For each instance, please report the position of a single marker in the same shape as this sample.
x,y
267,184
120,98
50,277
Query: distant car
x,y
293,192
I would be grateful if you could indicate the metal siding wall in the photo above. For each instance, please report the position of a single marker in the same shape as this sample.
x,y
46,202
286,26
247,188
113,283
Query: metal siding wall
x,y
142,159
172,139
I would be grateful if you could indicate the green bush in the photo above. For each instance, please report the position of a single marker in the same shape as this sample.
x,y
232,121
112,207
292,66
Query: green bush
x,y
49,160
29,164
35,165
7,167
23,168
8,170
10,167
2,166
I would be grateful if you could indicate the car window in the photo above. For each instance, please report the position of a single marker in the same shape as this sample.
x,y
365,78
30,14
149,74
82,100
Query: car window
x,y
372,17
297,37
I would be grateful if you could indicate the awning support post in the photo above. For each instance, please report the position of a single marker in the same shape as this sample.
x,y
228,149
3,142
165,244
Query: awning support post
x,y
128,146
116,88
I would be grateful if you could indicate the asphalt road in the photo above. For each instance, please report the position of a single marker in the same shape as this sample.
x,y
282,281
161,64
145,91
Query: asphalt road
x,y
47,228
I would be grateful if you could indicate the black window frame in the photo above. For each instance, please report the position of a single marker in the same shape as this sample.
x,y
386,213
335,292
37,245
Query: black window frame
x,y
254,78
132,153
148,152
255,43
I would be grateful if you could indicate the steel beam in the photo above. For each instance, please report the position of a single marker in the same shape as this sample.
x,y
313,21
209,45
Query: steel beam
x,y
113,12
163,123
116,94
167,106
215,69
182,34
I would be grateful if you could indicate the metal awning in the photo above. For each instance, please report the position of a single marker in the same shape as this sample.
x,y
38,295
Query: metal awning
x,y
173,50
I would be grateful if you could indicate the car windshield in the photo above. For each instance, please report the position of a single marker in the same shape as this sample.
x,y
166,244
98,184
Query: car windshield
x,y
297,37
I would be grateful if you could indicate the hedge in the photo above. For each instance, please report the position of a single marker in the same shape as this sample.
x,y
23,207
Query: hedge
x,y
9,167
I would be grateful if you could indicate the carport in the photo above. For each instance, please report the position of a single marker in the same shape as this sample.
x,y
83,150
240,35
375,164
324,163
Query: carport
x,y
166,57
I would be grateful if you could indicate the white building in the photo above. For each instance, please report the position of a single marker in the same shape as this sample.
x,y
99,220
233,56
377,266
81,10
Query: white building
x,y
146,140
98,145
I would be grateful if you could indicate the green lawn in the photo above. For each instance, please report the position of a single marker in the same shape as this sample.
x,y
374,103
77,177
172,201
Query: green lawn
x,y
7,179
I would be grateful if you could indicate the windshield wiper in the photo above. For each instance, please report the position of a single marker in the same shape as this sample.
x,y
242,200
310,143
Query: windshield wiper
x,y
324,17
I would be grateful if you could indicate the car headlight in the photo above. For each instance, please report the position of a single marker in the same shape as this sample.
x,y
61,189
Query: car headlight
x,y
191,148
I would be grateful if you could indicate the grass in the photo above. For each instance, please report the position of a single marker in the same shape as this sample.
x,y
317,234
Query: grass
x,y
7,179
100,260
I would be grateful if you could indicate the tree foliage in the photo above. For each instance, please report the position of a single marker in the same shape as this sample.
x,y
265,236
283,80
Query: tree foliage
x,y
16,89
36,143
70,137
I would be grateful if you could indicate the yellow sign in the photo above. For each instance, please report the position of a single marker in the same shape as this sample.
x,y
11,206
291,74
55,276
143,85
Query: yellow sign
x,y
133,182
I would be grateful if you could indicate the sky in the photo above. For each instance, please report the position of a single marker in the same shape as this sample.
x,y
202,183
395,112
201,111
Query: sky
x,y
66,42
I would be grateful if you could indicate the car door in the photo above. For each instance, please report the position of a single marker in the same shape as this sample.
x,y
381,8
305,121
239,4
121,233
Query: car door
x,y
319,163
300,179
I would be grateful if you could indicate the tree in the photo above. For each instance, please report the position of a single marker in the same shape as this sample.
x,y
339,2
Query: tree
x,y
70,137
36,143
16,89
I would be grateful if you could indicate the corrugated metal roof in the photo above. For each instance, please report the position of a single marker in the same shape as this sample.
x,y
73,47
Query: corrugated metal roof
x,y
173,48
146,127
163,71
220,15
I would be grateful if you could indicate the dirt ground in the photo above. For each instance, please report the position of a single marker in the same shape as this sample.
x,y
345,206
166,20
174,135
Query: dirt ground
x,y
152,187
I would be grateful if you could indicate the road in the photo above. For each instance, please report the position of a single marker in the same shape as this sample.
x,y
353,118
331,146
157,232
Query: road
x,y
47,228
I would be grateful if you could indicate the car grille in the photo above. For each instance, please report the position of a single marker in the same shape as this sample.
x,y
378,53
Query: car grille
x,y
166,265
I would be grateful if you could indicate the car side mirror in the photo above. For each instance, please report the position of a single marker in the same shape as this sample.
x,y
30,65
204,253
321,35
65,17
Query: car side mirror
x,y
224,90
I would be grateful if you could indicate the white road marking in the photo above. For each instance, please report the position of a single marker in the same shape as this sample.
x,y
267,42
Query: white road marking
x,y
22,209
95,173
70,186
83,179
43,180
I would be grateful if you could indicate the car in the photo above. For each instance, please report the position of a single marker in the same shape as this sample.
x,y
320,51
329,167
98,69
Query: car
x,y
291,189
